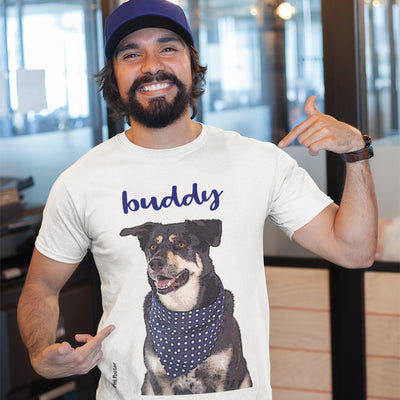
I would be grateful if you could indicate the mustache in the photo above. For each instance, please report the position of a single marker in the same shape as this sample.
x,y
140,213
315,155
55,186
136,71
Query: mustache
x,y
159,77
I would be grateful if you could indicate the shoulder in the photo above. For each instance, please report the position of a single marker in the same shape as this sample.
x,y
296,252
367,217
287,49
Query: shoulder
x,y
96,159
229,302
252,150
235,139
147,306
104,149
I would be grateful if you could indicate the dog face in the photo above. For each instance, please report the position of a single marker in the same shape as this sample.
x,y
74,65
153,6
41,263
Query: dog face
x,y
177,254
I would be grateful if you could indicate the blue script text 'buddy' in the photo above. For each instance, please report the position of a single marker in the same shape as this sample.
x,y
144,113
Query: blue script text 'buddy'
x,y
212,197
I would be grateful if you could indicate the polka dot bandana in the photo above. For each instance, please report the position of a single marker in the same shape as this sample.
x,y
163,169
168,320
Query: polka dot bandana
x,y
183,340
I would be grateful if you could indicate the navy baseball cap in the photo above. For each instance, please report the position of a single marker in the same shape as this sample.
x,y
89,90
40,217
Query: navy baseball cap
x,y
138,14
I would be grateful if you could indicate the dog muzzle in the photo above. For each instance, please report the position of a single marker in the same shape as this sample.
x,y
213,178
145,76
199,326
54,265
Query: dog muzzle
x,y
183,340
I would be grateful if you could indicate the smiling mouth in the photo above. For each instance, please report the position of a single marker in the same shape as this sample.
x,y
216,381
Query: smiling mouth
x,y
154,87
166,285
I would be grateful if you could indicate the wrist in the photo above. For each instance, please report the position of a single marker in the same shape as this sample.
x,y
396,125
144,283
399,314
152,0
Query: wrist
x,y
365,153
37,351
36,355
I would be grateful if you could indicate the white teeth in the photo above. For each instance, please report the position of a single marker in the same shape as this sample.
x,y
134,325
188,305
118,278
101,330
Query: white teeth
x,y
157,86
169,283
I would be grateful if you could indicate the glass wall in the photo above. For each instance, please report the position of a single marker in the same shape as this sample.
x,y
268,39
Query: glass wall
x,y
50,113
382,316
264,60
382,52
230,45
382,41
48,89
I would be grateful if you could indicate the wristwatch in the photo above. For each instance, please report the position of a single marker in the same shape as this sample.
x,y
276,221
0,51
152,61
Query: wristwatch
x,y
365,153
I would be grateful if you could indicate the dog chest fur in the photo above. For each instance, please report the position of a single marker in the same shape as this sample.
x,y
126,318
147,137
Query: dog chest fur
x,y
208,377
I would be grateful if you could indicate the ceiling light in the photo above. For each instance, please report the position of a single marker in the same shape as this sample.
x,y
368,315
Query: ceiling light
x,y
253,11
285,10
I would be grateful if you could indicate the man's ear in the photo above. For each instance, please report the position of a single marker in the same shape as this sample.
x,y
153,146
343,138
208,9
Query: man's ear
x,y
142,232
210,230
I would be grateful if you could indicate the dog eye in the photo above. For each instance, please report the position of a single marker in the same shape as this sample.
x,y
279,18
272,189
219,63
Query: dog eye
x,y
153,247
181,245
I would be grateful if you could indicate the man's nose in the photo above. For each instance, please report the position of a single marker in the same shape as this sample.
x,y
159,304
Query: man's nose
x,y
151,64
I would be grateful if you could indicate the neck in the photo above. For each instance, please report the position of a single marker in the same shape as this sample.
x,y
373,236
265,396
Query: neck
x,y
181,132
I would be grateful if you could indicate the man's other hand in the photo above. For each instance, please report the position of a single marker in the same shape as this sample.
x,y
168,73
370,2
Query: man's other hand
x,y
61,360
323,132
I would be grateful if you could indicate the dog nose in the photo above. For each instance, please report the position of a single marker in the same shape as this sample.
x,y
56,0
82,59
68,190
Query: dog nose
x,y
156,263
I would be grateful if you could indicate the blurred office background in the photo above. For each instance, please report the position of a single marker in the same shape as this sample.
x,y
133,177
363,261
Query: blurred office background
x,y
334,333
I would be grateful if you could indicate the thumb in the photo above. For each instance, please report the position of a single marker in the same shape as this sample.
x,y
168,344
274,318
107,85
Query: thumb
x,y
83,338
64,348
310,107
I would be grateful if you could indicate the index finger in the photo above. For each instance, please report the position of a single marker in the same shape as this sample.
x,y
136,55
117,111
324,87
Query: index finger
x,y
105,332
98,339
94,344
295,133
287,140
311,110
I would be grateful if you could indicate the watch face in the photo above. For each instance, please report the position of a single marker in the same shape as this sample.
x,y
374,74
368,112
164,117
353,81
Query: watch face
x,y
367,140
370,151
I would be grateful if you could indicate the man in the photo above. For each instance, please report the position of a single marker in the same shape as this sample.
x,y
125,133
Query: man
x,y
171,188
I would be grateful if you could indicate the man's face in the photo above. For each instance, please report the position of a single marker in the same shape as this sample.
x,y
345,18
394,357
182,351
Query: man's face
x,y
153,72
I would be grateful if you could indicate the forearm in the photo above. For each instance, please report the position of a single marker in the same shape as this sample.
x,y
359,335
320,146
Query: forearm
x,y
38,314
345,235
355,225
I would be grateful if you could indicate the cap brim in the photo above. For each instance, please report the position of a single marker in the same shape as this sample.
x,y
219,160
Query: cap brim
x,y
146,21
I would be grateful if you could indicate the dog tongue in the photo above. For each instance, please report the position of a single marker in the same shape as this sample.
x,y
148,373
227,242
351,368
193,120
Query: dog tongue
x,y
165,283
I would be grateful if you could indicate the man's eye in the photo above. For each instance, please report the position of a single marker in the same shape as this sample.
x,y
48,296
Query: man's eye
x,y
129,55
168,49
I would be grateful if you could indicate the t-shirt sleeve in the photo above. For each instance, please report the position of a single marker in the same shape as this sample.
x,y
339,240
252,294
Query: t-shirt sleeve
x,y
296,197
62,235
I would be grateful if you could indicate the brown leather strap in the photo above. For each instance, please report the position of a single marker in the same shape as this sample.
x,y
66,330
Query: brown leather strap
x,y
363,154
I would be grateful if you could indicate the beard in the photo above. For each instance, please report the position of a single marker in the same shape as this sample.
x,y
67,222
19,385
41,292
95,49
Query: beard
x,y
159,113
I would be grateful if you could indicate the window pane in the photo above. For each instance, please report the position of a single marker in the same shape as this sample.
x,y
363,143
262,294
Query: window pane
x,y
50,112
62,86
263,62
382,41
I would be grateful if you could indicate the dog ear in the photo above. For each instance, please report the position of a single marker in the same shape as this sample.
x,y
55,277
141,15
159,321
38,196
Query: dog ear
x,y
210,230
142,232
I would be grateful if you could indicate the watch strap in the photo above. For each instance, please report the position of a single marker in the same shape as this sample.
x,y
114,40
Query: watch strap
x,y
363,154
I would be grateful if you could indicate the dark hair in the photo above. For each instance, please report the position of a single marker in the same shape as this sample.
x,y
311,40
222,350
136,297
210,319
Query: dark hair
x,y
108,85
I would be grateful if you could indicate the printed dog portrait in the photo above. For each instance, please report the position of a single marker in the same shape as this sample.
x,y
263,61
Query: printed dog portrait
x,y
193,343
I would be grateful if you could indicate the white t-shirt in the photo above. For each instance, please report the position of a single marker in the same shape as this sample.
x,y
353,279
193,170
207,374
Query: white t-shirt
x,y
218,176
